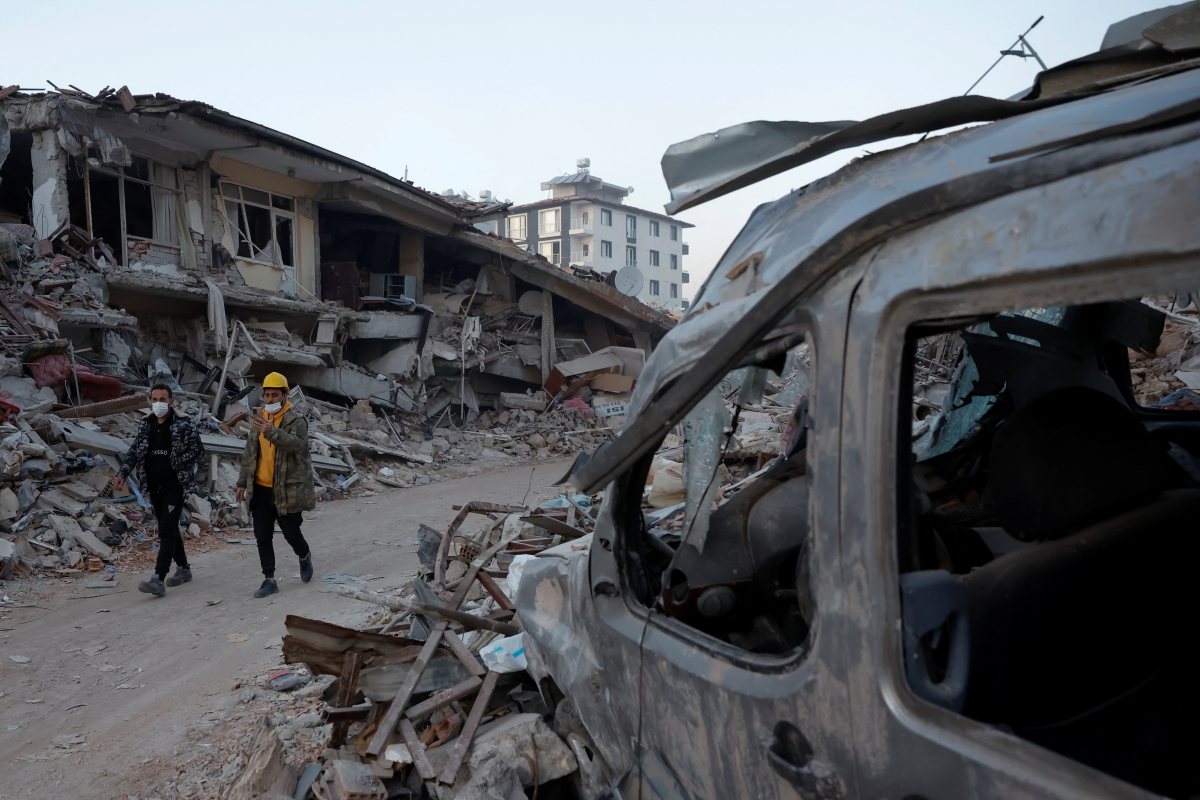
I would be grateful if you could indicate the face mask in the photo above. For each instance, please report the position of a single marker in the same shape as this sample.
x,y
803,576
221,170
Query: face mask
x,y
273,408
159,409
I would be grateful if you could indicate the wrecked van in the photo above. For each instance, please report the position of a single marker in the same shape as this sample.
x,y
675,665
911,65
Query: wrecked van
x,y
968,571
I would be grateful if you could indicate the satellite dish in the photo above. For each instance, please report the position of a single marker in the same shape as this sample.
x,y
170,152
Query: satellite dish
x,y
630,281
530,303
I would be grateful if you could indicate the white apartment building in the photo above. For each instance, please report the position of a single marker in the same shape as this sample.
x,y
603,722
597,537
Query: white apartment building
x,y
586,223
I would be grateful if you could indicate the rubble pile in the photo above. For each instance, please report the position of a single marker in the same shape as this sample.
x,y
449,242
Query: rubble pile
x,y
433,700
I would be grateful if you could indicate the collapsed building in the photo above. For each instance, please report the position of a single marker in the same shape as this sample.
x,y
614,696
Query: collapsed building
x,y
156,229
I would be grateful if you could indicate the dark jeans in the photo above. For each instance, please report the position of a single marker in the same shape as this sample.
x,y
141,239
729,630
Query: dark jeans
x,y
168,505
262,509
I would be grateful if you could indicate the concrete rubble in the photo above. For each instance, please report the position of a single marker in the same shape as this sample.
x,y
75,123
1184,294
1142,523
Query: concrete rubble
x,y
213,251
429,700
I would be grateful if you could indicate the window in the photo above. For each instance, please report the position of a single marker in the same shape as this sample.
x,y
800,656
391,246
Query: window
x,y
1046,501
674,233
753,569
654,288
550,250
674,261
586,248
549,222
630,256
605,249
630,228
606,217
675,291
654,258
653,227
263,224
151,195
516,226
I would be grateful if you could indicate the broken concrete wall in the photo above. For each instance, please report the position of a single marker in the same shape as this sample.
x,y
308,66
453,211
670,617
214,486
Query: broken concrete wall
x,y
49,183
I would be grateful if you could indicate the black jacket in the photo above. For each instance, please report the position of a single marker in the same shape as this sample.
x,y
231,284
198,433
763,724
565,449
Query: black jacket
x,y
186,452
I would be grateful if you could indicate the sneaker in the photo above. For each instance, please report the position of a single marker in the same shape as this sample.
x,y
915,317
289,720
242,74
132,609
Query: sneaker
x,y
182,575
153,586
268,587
306,569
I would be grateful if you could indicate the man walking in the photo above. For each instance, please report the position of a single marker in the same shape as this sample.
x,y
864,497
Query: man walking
x,y
276,480
165,454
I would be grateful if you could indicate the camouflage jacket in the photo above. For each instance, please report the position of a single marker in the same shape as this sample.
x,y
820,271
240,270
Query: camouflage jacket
x,y
186,452
293,487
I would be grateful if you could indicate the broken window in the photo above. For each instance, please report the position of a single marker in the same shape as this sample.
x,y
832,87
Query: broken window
x,y
1045,542
516,226
263,224
654,288
723,538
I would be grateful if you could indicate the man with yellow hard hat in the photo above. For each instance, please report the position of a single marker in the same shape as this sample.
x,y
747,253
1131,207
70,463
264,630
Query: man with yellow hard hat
x,y
276,480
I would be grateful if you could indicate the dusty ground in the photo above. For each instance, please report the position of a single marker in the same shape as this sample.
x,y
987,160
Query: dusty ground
x,y
167,664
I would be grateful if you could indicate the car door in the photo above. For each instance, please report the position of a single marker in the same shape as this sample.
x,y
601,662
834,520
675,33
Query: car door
x,y
1120,234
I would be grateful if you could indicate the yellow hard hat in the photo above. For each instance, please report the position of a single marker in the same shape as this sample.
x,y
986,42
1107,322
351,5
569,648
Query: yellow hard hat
x,y
275,381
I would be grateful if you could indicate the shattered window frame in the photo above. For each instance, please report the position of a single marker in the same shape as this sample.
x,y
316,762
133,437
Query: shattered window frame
x,y
259,255
703,430
124,176
518,226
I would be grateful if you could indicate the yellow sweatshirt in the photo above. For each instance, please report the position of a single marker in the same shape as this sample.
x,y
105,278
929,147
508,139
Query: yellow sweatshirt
x,y
265,474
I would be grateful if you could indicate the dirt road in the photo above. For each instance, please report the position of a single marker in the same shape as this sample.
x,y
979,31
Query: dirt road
x,y
163,663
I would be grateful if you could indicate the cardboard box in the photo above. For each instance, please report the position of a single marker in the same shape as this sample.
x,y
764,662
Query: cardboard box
x,y
616,360
613,383
610,405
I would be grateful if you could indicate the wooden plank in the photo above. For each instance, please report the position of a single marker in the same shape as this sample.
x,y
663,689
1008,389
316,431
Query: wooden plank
x,y
417,751
463,743
444,698
347,688
489,583
404,694
467,658
470,621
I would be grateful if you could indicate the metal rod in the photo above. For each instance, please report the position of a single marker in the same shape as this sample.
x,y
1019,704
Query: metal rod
x,y
1020,39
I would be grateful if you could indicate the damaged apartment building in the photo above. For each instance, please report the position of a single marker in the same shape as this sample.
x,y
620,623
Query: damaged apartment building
x,y
168,230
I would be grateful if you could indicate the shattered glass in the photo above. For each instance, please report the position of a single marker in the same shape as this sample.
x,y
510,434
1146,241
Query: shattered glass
x,y
704,436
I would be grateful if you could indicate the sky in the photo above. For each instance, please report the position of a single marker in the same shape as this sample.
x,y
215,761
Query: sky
x,y
505,95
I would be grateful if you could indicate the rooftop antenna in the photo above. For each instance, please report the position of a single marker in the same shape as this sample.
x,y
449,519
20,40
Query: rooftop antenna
x,y
1011,51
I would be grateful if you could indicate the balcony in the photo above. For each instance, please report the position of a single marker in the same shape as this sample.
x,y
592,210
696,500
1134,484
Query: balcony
x,y
581,225
581,257
685,248
548,228
687,278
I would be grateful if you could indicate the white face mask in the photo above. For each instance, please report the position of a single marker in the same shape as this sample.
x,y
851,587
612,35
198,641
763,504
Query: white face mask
x,y
160,409
273,408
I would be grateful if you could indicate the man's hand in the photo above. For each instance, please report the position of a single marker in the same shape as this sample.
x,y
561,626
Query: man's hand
x,y
260,424
119,484
241,494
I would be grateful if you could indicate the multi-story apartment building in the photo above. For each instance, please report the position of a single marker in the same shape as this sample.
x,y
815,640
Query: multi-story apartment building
x,y
586,223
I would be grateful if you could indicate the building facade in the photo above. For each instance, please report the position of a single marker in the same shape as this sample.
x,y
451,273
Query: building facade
x,y
587,224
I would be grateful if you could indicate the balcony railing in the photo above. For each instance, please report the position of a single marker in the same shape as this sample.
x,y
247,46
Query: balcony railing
x,y
581,225
685,248
581,256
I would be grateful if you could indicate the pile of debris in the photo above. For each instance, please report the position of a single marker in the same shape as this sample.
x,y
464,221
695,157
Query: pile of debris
x,y
434,699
